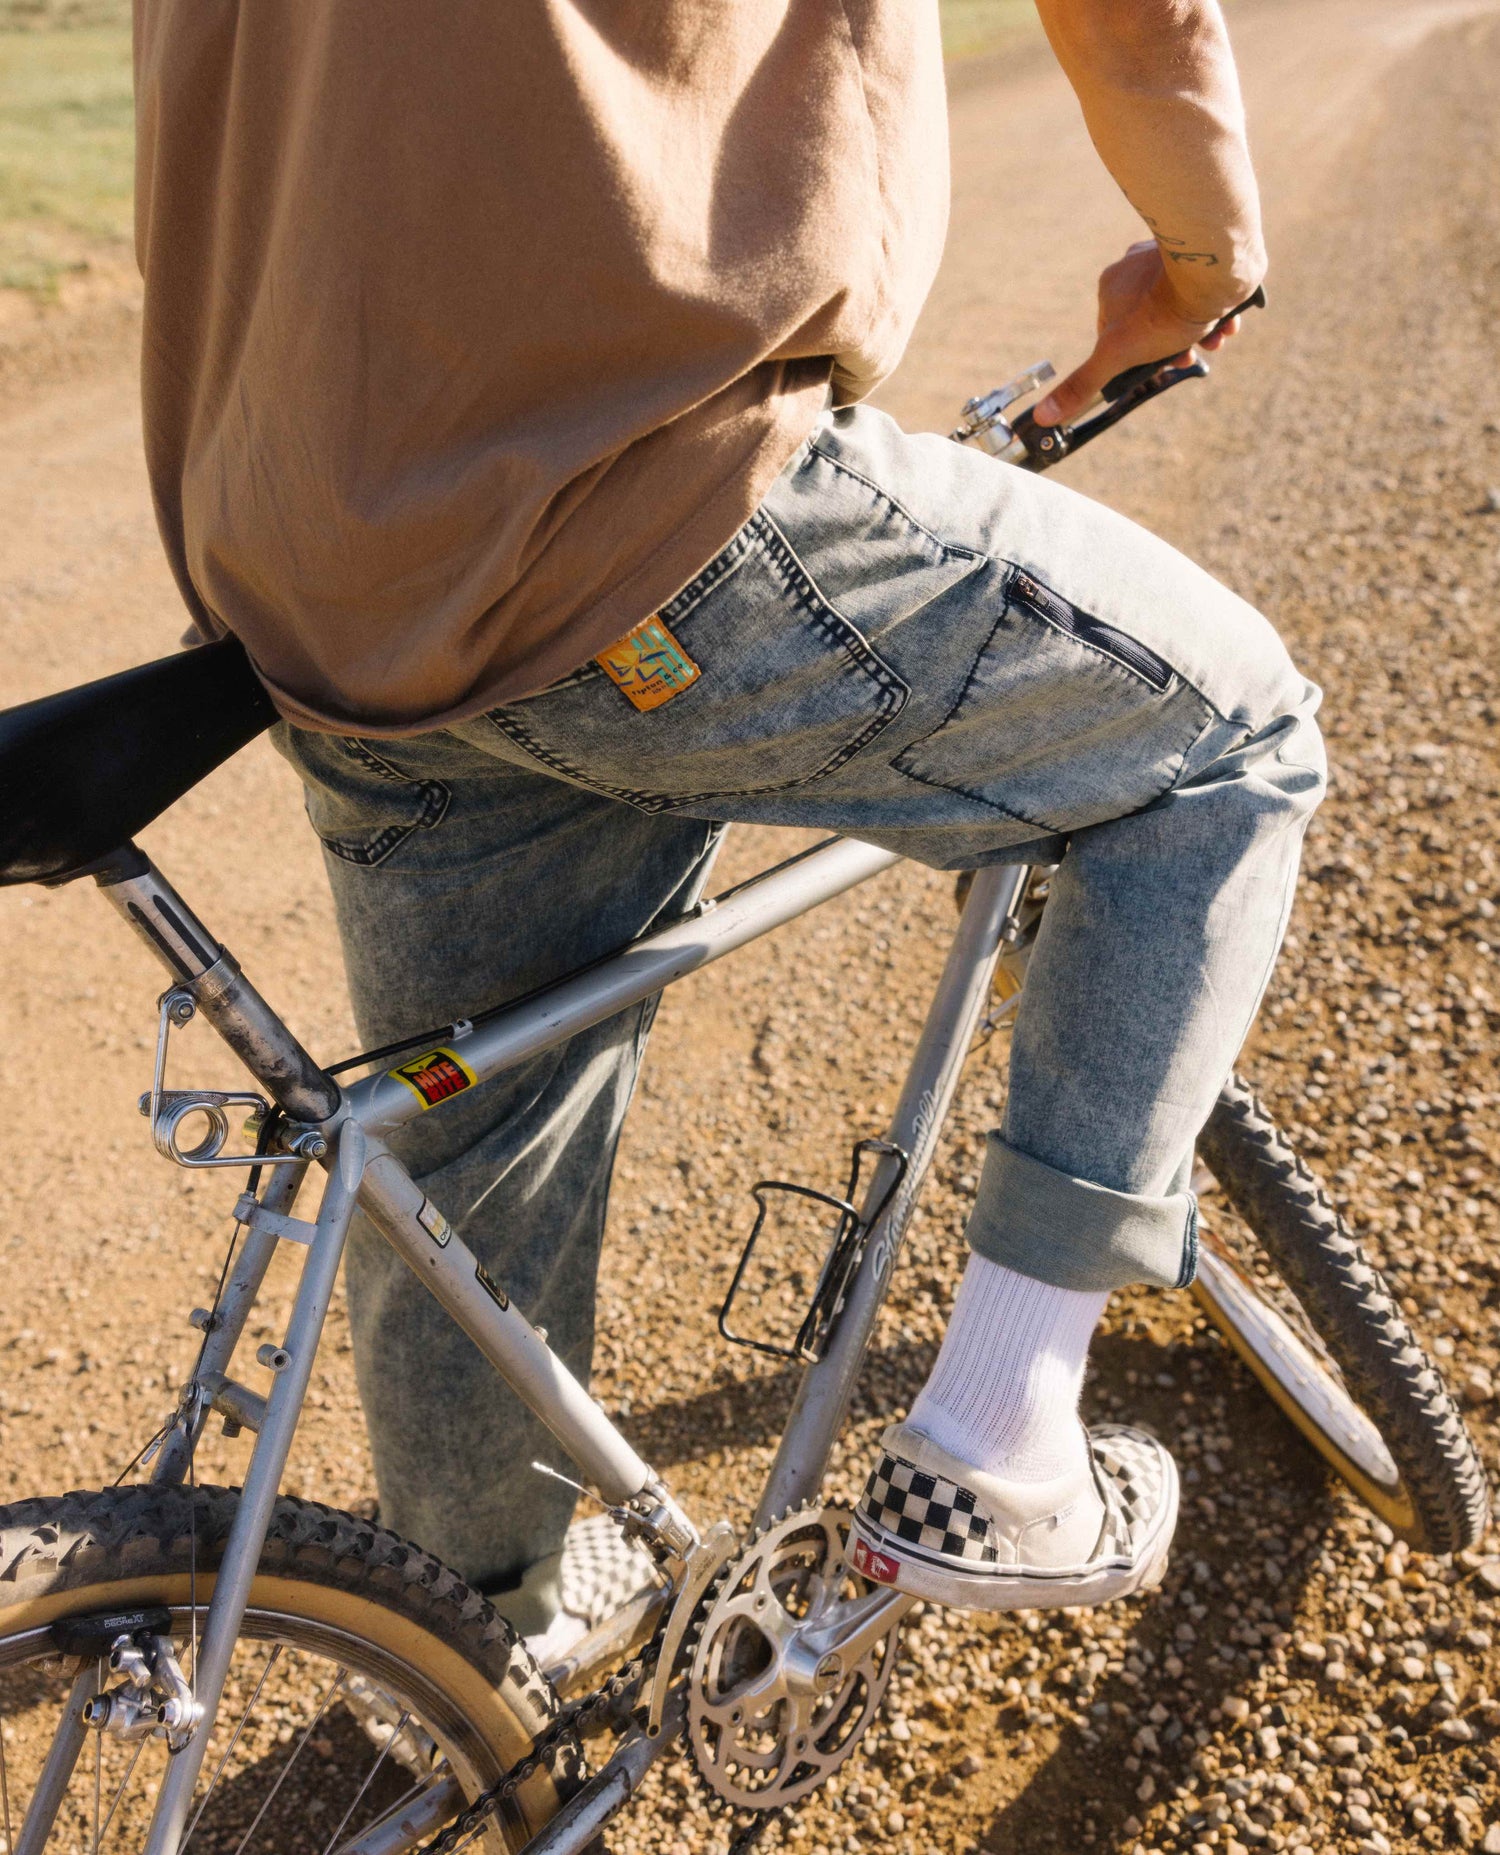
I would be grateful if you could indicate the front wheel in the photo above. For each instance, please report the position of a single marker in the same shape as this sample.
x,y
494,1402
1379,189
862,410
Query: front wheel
x,y
372,1692
1328,1340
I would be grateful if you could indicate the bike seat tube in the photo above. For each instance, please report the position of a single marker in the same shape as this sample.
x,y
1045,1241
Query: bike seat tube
x,y
222,993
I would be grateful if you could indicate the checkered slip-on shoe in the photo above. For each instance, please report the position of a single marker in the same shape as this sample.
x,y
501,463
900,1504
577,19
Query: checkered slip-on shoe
x,y
601,1572
938,1528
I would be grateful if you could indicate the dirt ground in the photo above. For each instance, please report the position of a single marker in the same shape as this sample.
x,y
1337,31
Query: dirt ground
x,y
1300,1681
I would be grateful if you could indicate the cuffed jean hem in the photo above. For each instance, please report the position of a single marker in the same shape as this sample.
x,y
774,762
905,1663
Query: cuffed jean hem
x,y
1074,1234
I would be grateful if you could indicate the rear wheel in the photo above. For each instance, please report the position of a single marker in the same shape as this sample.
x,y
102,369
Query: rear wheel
x,y
370,1684
1325,1336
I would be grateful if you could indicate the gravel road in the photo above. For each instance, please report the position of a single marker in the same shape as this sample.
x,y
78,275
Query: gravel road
x,y
1301,1681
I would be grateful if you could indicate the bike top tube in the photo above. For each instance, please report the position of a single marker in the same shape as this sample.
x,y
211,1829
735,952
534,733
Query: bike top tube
x,y
437,1073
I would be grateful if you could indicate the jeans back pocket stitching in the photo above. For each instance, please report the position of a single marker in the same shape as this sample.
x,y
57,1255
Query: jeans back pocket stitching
x,y
955,548
827,617
891,697
504,721
1177,763
434,796
1037,824
373,852
723,563
977,798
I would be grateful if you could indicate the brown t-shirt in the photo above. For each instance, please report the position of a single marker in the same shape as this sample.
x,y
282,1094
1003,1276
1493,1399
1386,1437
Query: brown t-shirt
x,y
472,331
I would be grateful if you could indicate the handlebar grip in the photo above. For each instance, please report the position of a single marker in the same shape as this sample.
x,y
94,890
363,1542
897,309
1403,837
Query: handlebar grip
x,y
1122,383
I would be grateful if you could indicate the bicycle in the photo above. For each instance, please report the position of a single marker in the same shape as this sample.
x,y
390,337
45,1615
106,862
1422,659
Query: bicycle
x,y
190,1622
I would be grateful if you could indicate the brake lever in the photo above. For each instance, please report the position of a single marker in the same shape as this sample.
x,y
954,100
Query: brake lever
x,y
1130,377
1046,445
1021,441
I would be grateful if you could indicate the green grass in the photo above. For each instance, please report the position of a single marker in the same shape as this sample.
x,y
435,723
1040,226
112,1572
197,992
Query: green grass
x,y
66,127
66,149
42,15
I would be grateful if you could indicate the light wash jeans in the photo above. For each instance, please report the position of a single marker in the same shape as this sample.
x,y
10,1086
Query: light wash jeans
x,y
909,643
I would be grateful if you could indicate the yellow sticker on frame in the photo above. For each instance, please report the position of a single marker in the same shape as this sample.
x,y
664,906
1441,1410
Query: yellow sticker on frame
x,y
434,1076
648,665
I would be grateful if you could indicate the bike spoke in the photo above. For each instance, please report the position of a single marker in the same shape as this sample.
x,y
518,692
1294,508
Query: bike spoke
x,y
10,1841
124,1785
396,1732
271,1661
389,1814
98,1770
323,1706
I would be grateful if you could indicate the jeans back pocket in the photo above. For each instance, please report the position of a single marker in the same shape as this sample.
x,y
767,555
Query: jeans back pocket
x,y
787,690
1064,720
362,806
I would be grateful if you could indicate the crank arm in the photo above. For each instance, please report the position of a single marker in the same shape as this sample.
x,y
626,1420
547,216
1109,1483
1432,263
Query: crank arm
x,y
818,1653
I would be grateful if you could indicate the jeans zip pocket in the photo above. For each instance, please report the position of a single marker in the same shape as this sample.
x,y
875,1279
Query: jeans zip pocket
x,y
1125,650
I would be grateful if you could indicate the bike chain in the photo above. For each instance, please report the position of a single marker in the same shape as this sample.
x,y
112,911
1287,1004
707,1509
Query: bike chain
x,y
571,1723
605,1702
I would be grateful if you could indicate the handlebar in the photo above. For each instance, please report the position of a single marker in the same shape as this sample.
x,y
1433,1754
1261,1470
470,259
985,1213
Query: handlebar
x,y
1023,442
1121,384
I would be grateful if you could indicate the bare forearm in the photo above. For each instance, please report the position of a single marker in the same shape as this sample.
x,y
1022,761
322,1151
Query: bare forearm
x,y
1161,97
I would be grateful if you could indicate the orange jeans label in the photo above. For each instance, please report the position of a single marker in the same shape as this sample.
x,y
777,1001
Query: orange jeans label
x,y
649,665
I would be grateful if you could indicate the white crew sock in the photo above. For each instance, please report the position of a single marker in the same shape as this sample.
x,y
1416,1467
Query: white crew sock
x,y
1003,1393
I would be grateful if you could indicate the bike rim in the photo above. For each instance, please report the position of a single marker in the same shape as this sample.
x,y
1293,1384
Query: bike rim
x,y
1302,1385
291,1768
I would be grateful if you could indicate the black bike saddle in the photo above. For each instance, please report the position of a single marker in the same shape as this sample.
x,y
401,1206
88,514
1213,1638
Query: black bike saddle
x,y
82,771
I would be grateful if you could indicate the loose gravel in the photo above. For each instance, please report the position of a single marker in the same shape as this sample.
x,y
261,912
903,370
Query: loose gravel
x,y
1301,1681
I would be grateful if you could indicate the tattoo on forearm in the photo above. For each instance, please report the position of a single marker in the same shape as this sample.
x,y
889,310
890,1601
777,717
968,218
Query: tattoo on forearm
x,y
1174,248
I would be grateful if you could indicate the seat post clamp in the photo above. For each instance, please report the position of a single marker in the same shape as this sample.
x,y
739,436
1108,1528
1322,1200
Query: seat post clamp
x,y
211,984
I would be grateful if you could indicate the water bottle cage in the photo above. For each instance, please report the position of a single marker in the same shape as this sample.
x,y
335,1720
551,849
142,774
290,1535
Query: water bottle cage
x,y
845,1248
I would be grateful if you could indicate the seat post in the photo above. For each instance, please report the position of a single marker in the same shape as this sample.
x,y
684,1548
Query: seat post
x,y
211,975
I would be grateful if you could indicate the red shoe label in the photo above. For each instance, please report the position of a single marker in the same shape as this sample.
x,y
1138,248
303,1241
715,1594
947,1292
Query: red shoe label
x,y
874,1565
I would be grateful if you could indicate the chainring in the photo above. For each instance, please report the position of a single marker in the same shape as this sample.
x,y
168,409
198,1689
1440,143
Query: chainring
x,y
759,1739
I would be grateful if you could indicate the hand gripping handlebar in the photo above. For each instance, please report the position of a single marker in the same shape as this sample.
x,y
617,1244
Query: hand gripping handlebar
x,y
1020,440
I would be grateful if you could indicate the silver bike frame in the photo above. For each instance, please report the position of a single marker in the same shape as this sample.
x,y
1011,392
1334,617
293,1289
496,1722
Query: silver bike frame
x,y
343,1131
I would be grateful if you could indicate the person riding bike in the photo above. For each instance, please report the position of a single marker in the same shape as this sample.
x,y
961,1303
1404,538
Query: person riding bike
x,y
506,386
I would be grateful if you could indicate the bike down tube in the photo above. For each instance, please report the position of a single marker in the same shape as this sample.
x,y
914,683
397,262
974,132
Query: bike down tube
x,y
252,1517
438,1256
926,1095
380,1102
